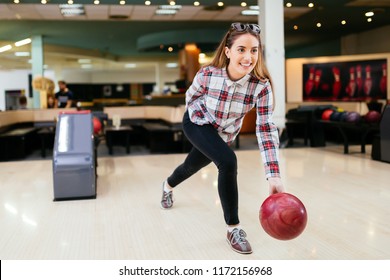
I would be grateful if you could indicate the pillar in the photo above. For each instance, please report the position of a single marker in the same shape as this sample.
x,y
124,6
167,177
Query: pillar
x,y
37,65
271,21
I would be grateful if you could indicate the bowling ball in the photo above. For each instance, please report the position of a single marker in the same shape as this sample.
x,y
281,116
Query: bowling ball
x,y
353,117
335,116
326,114
343,116
283,216
97,125
372,117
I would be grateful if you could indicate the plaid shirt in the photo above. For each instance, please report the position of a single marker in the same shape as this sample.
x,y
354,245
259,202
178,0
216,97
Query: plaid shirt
x,y
214,99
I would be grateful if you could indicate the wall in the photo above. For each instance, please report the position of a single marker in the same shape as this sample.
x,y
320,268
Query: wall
x,y
294,80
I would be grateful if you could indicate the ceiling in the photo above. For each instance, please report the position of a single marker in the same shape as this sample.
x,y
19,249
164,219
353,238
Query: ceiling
x,y
113,34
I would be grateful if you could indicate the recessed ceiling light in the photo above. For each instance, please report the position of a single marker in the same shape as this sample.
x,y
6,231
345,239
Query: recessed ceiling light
x,y
295,27
220,4
343,22
147,3
310,5
369,14
170,49
243,4
5,48
250,13
165,12
288,5
369,19
171,65
122,2
23,42
130,65
196,3
319,24
22,53
96,2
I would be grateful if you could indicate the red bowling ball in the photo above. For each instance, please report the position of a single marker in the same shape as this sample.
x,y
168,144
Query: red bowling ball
x,y
283,216
97,125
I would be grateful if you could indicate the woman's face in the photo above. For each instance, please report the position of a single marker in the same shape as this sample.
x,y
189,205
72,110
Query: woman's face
x,y
243,56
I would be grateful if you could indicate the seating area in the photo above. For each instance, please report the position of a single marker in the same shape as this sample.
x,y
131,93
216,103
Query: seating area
x,y
156,127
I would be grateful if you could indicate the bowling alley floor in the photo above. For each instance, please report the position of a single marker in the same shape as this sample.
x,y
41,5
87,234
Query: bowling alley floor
x,y
347,199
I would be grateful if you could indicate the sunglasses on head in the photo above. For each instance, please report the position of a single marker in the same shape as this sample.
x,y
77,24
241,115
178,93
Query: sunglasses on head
x,y
240,27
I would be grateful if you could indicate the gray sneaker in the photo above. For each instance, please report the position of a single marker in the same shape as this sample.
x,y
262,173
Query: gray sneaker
x,y
237,241
167,199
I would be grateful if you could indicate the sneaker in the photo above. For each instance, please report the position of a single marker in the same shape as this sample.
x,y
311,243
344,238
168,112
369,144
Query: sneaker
x,y
238,242
167,199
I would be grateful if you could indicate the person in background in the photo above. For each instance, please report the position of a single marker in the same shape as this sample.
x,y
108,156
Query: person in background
x,y
220,96
23,102
64,97
51,101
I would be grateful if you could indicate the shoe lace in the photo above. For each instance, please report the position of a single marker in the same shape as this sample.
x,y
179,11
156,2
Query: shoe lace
x,y
167,197
238,237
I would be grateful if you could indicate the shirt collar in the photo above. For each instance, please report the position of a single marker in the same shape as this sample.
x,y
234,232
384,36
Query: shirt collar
x,y
240,82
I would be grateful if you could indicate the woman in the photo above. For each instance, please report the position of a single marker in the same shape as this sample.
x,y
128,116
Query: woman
x,y
221,94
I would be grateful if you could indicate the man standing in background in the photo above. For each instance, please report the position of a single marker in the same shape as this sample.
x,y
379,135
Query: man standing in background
x,y
64,97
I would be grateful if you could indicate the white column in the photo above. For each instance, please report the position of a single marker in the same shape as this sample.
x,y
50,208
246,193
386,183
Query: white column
x,y
271,21
37,65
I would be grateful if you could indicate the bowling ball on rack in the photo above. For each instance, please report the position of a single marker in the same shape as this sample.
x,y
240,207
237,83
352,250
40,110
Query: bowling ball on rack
x,y
353,117
372,117
326,114
97,125
283,216
335,116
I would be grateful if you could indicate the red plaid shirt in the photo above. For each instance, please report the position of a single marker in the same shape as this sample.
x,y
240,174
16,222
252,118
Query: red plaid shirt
x,y
215,99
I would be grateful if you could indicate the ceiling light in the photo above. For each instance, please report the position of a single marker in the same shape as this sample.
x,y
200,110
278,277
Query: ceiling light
x,y
70,2
165,12
23,42
96,2
310,5
43,2
369,14
22,54
196,3
122,2
220,4
172,3
5,48
72,10
170,49
295,27
169,7
16,1
249,13
171,65
147,3
343,22
369,19
319,24
243,4
288,5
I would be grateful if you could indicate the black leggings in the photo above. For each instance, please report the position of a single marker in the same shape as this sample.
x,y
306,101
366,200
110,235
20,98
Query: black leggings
x,y
208,147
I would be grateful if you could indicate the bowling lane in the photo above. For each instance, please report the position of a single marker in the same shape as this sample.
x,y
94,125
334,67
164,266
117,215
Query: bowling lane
x,y
346,197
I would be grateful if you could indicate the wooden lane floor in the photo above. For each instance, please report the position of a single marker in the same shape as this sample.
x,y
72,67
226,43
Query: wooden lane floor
x,y
347,199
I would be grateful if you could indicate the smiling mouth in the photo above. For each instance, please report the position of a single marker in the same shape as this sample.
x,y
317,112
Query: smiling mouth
x,y
246,64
